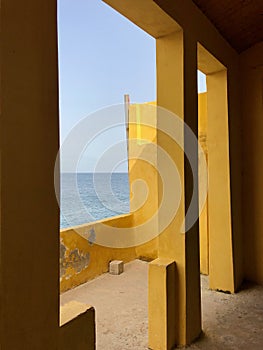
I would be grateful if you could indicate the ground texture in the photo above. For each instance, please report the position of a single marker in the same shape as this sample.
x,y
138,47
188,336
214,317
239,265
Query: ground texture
x,y
230,322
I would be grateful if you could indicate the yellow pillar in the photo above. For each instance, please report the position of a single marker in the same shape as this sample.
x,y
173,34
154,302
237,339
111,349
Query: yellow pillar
x,y
203,219
219,205
177,92
29,144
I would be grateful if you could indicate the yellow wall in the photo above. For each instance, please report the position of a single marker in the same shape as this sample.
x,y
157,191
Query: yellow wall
x,y
81,260
143,161
252,118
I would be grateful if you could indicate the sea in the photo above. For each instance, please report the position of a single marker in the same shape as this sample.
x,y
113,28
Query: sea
x,y
87,197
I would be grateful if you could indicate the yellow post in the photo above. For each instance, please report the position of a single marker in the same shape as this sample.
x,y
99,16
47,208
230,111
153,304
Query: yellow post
x,y
162,303
29,140
219,205
203,219
177,92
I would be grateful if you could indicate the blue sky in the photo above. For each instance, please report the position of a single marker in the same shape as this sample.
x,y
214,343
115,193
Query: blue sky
x,y
102,56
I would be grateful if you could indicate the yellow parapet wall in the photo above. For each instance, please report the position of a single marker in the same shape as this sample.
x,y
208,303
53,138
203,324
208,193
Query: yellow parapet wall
x,y
81,260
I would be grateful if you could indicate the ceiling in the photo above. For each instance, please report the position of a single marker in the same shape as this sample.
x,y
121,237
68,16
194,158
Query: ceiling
x,y
239,21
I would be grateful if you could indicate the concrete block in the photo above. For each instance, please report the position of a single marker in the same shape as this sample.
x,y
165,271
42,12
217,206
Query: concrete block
x,y
162,304
116,267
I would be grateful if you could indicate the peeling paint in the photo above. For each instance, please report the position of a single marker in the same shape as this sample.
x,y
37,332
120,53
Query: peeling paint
x,y
62,251
74,260
81,259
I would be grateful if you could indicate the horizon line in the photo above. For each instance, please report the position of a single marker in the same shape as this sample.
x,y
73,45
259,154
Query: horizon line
x,y
94,172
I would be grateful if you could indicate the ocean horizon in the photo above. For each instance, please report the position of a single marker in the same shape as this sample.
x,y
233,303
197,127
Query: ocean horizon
x,y
87,197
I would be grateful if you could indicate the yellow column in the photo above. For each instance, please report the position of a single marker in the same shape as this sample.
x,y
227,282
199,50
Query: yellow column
x,y
219,206
177,92
203,219
29,144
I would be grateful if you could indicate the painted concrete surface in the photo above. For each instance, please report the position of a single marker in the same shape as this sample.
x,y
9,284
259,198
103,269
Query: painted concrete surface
x,y
120,303
230,322
82,260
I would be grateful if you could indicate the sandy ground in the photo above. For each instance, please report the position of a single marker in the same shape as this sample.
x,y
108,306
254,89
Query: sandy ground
x,y
229,321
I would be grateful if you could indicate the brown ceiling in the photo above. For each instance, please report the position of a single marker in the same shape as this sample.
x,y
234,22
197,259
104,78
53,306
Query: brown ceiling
x,y
239,21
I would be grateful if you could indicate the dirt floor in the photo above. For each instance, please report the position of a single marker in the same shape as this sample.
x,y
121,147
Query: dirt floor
x,y
229,321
